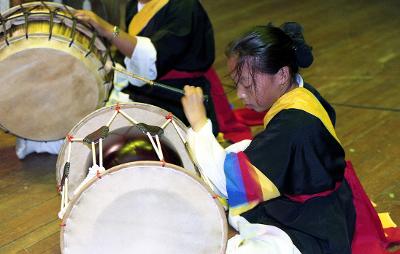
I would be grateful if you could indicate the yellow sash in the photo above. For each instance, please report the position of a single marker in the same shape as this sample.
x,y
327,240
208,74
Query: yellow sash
x,y
301,98
142,18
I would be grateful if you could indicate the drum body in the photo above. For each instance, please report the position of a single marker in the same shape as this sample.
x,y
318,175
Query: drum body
x,y
143,207
80,156
51,71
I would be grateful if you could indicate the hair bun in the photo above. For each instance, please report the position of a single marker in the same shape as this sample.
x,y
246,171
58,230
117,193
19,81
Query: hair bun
x,y
304,54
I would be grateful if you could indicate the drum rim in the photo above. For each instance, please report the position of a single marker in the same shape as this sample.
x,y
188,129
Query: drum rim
x,y
66,12
98,112
117,168
77,50
11,11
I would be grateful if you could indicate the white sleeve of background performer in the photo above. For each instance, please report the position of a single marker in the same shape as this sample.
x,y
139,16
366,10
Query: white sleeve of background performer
x,y
142,62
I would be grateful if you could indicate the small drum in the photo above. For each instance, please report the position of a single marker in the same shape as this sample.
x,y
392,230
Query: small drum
x,y
143,207
76,157
51,71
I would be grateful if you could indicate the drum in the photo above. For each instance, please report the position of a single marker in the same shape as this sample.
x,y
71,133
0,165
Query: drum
x,y
144,207
51,71
78,155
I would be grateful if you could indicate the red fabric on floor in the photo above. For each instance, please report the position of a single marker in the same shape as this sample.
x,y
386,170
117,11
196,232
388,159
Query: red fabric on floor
x,y
369,236
249,117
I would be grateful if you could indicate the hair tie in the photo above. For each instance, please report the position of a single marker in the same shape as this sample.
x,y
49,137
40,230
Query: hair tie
x,y
303,52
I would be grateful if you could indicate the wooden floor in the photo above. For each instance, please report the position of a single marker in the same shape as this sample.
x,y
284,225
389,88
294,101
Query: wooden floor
x,y
357,66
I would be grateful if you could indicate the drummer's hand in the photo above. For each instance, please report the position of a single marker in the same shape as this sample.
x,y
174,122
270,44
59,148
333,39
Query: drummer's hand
x,y
104,28
193,107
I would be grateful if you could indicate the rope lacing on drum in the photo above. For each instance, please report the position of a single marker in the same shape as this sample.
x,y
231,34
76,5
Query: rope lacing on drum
x,y
156,145
91,43
26,14
63,186
73,28
97,137
51,21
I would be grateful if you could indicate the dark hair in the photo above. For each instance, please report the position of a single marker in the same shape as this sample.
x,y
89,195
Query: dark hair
x,y
267,49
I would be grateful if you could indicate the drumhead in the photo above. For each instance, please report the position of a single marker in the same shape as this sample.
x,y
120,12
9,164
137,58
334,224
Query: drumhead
x,y
143,207
48,85
143,113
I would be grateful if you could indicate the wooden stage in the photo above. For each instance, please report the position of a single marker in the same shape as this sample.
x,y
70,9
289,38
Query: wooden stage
x,y
356,67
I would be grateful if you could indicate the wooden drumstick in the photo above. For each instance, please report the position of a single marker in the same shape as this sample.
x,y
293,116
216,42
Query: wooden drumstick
x,y
153,83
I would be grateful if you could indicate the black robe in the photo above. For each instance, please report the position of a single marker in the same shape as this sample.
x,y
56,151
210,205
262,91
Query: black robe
x,y
183,38
300,156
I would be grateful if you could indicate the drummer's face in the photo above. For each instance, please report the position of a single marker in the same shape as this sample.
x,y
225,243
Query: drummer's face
x,y
258,91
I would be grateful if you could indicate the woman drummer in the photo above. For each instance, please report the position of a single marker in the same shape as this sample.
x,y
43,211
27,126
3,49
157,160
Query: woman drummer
x,y
286,188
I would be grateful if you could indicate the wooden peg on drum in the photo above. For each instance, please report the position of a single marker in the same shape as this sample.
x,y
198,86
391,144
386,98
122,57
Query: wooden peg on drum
x,y
153,83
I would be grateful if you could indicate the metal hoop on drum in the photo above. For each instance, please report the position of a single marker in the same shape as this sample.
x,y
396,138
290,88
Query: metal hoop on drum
x,y
49,63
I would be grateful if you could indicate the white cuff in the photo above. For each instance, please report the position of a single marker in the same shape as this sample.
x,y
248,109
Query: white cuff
x,y
142,61
209,155
238,147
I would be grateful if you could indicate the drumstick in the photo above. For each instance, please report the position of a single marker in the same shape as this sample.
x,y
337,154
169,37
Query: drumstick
x,y
152,83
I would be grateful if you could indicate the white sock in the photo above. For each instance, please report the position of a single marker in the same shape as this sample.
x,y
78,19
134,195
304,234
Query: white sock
x,y
23,147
